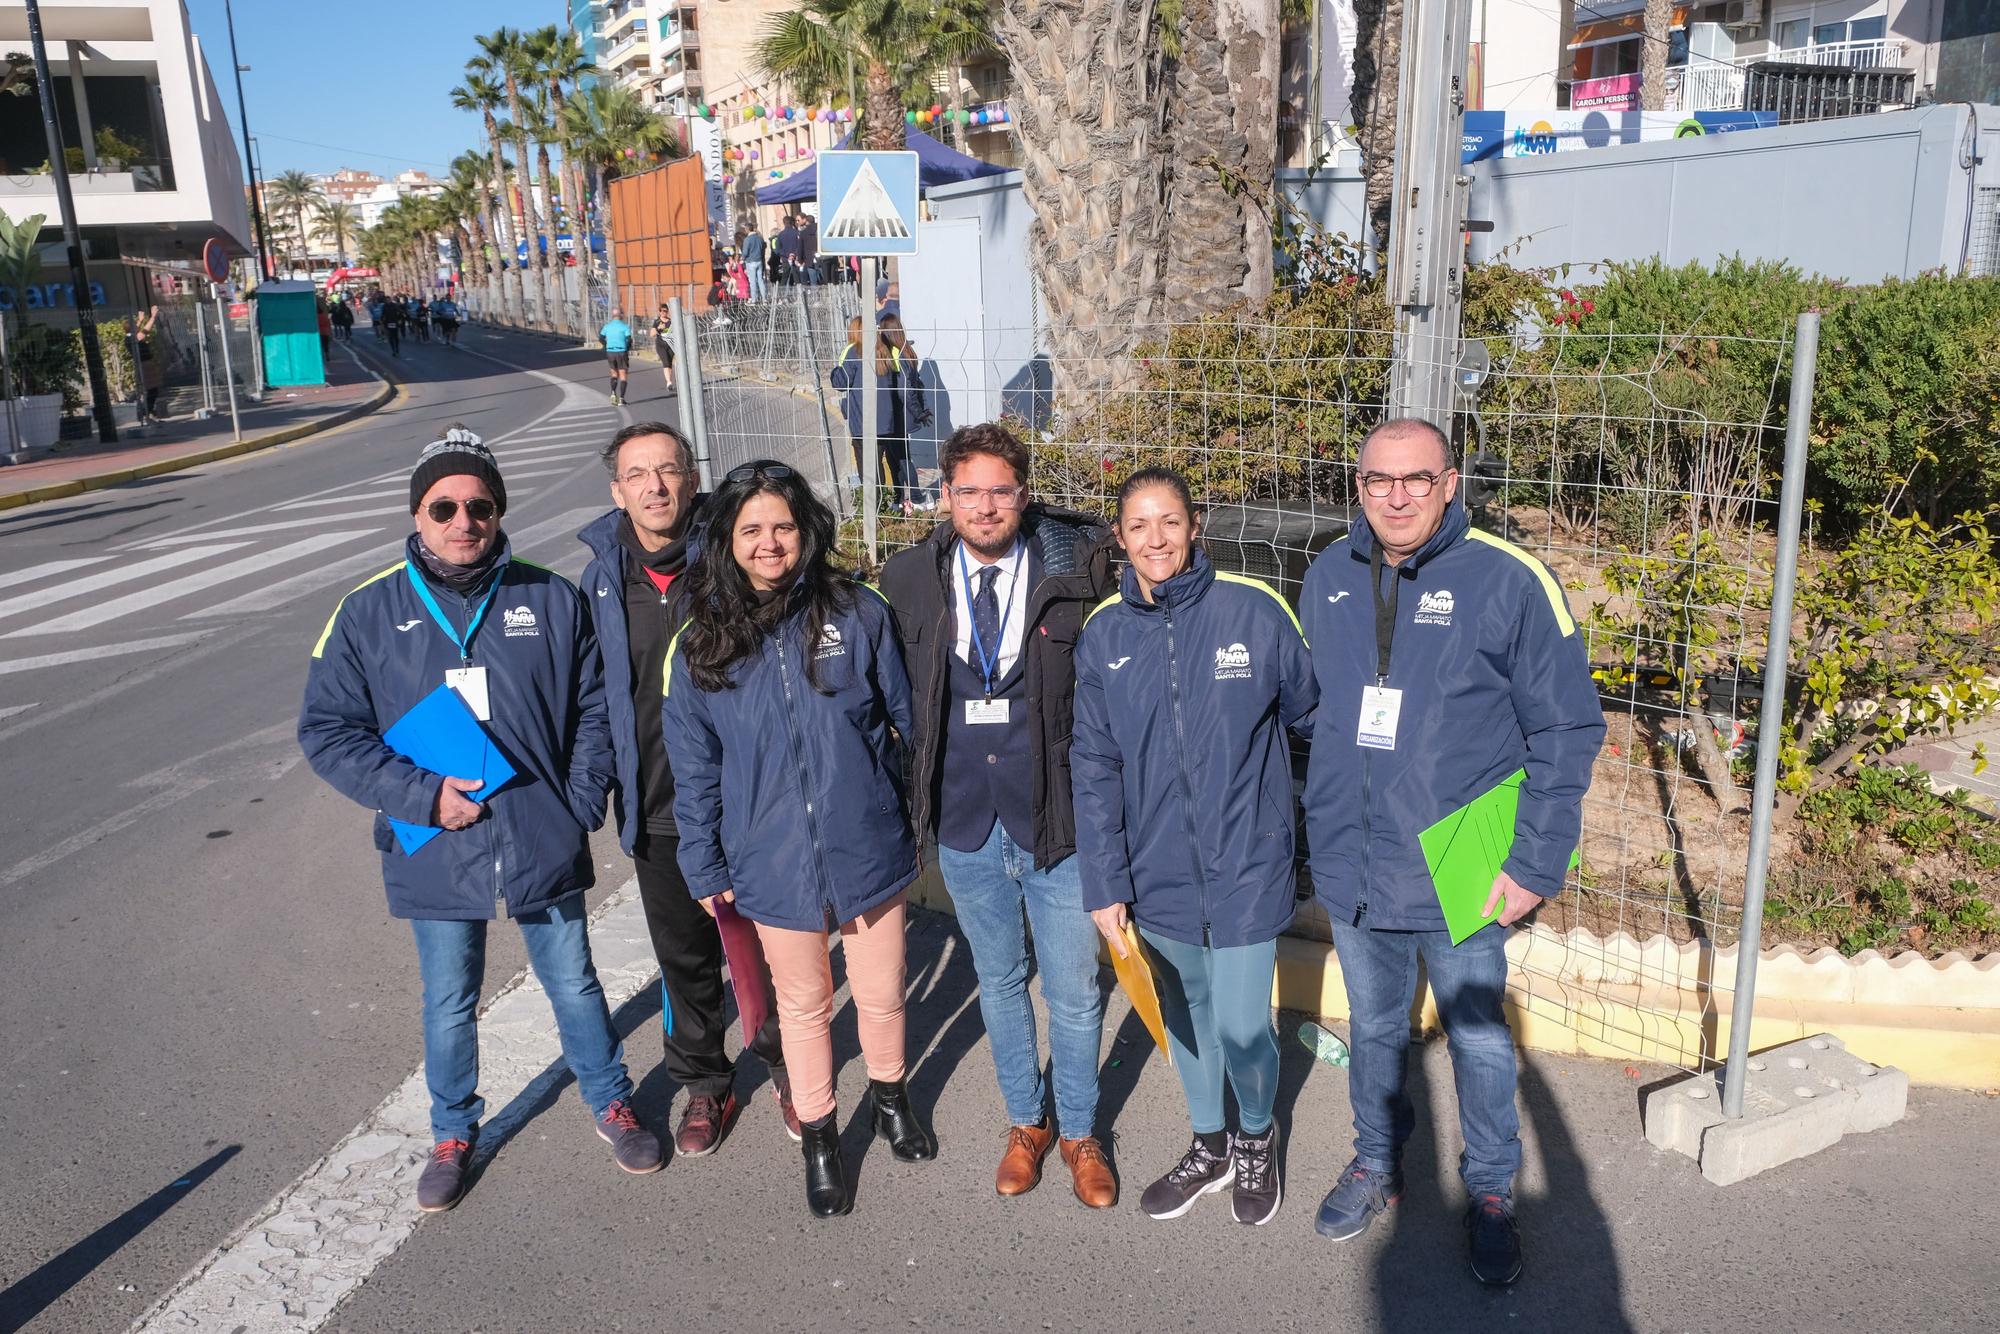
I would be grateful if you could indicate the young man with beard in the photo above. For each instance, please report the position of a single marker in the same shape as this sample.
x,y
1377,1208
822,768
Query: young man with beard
x,y
639,552
988,609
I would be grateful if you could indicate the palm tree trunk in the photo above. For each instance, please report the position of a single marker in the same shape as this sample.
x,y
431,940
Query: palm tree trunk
x,y
1378,59
551,261
1089,109
1225,146
885,111
603,191
513,297
1658,19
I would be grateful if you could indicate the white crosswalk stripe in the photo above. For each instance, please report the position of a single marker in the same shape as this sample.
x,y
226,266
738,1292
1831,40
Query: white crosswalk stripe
x,y
288,526
48,571
160,594
123,574
118,650
287,592
403,491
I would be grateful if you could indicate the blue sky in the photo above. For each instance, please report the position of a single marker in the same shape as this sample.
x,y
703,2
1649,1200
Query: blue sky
x,y
356,83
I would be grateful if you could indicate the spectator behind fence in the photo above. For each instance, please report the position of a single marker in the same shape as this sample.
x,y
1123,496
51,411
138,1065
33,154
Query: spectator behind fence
x,y
901,405
1451,659
753,262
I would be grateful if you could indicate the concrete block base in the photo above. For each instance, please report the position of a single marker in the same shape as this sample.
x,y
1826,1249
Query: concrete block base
x,y
1798,1098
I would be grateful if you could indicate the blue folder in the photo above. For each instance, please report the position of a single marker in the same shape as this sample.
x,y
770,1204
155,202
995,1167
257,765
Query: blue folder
x,y
443,735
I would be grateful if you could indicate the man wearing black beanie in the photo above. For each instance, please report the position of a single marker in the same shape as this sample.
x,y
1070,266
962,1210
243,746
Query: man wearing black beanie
x,y
514,641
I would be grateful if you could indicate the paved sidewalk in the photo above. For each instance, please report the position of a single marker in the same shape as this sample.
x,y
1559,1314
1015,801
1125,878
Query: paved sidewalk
x,y
183,442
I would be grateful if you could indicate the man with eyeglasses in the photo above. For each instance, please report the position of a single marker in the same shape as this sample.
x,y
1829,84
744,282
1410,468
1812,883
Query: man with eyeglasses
x,y
639,550
1452,660
988,608
513,641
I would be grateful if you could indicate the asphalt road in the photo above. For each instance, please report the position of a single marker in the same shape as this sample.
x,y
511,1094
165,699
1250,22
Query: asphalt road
x,y
203,993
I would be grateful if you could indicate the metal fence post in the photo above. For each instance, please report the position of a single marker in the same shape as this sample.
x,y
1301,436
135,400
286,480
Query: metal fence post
x,y
228,371
1771,718
688,382
683,401
840,499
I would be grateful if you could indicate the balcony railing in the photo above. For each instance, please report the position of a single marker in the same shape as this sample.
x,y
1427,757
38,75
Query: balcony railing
x,y
1714,85
679,39
635,44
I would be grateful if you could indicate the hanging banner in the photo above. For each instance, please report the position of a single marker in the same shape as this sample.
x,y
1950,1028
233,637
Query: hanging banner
x,y
1498,134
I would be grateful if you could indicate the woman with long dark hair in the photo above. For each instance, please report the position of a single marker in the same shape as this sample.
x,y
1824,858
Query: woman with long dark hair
x,y
1185,685
780,695
901,405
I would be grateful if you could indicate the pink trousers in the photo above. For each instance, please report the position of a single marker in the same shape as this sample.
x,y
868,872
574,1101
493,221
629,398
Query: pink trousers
x,y
803,979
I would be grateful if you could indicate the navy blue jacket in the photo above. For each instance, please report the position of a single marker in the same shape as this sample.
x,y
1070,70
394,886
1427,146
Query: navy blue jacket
x,y
1494,679
1182,777
905,378
381,653
604,582
792,798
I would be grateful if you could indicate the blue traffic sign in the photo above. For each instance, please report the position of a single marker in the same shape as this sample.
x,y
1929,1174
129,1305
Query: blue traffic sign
x,y
867,203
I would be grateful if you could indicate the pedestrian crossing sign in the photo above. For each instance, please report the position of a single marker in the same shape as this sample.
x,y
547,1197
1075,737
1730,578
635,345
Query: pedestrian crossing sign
x,y
867,203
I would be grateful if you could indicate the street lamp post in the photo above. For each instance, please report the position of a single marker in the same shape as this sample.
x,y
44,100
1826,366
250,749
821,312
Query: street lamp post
x,y
86,309
249,161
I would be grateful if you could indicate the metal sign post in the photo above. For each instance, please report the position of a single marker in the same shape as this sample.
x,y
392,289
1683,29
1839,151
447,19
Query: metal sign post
x,y
868,208
228,369
1427,210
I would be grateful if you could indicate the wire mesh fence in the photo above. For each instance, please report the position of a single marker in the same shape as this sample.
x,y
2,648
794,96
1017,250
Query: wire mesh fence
x,y
1636,466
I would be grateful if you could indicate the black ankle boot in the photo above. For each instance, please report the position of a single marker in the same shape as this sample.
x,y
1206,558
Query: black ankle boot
x,y
827,1194
896,1121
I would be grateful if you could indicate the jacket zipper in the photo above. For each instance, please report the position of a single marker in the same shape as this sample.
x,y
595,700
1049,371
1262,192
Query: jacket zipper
x,y
499,884
805,769
1187,783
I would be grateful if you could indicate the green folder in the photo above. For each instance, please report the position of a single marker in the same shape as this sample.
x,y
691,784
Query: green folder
x,y
1465,851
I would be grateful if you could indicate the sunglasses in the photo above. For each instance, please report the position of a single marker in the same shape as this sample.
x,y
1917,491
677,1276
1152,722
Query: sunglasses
x,y
478,509
775,472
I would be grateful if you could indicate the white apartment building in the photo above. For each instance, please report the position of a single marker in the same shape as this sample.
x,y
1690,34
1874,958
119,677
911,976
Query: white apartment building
x,y
156,171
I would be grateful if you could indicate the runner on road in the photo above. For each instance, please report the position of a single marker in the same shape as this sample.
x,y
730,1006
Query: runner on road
x,y
394,319
663,346
444,312
617,336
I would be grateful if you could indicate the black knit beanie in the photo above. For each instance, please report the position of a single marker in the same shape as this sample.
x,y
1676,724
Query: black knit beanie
x,y
458,452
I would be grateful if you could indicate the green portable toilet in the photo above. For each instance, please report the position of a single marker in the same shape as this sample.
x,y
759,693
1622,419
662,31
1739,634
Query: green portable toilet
x,y
288,318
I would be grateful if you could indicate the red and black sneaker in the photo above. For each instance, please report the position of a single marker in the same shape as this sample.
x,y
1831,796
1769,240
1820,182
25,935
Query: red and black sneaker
x,y
781,1088
443,1183
703,1124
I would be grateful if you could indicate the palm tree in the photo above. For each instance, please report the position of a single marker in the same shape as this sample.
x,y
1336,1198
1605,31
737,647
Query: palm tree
x,y
560,60
543,129
468,197
503,54
898,46
608,129
294,191
1148,136
482,94
1656,29
339,221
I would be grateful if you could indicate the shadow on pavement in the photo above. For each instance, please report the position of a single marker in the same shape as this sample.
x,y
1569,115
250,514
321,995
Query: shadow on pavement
x,y
1570,1278
30,1296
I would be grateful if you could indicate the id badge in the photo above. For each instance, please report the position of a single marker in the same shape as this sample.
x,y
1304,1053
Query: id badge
x,y
985,711
470,683
1380,708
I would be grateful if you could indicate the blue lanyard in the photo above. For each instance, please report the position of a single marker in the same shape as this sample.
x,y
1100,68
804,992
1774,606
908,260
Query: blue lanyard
x,y
464,642
988,666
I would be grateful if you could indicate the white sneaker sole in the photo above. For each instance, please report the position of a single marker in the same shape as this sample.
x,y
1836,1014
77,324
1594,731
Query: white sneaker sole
x,y
1228,1179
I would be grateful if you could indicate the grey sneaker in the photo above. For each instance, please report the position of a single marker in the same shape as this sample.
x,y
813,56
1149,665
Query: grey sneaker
x,y
1198,1173
443,1183
636,1148
1352,1205
1258,1191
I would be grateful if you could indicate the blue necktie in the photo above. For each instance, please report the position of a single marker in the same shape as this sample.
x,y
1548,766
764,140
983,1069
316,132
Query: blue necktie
x,y
986,616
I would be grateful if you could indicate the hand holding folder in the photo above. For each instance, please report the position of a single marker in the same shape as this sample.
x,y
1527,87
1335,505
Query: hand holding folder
x,y
1135,977
441,734
1465,851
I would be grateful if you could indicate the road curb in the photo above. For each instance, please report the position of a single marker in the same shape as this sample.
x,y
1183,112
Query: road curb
x,y
235,448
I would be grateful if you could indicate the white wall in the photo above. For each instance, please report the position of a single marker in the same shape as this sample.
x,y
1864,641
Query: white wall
x,y
1523,52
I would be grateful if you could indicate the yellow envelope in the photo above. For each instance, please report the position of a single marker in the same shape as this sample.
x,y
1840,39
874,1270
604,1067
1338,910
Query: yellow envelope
x,y
1135,976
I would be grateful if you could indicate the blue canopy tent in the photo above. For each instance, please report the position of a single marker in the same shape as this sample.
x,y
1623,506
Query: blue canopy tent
x,y
936,165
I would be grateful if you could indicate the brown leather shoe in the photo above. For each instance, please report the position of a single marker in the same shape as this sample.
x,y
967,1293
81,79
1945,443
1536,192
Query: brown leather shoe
x,y
1021,1165
1090,1173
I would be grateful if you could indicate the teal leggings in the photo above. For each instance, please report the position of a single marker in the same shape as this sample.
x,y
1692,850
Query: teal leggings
x,y
1217,1004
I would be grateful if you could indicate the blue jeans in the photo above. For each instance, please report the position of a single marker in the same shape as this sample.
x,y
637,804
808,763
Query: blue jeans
x,y
452,958
1468,980
1217,1006
990,889
758,290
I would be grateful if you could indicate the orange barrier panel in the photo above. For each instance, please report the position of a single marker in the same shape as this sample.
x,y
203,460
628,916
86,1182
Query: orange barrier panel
x,y
659,231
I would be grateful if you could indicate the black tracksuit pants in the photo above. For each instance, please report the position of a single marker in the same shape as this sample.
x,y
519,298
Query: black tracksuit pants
x,y
689,949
